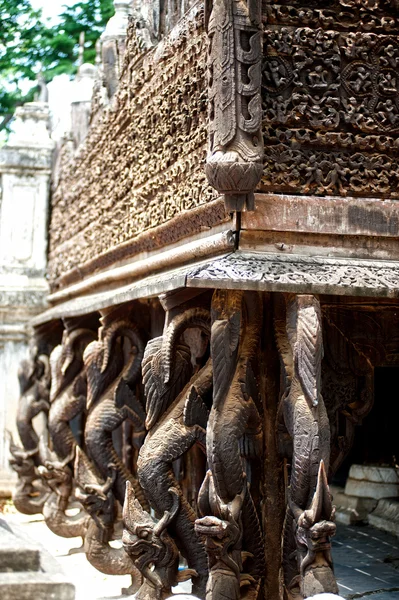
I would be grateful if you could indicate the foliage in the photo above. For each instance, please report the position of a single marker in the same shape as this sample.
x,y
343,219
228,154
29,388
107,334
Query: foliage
x,y
28,44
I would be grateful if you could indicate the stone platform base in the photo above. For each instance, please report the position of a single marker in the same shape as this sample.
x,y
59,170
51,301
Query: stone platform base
x,y
386,516
27,571
351,509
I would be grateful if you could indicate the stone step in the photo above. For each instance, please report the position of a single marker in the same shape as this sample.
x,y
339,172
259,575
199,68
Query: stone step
x,y
351,509
386,516
27,570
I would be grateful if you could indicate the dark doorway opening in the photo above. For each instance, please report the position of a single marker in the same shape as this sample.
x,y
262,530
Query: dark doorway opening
x,y
377,439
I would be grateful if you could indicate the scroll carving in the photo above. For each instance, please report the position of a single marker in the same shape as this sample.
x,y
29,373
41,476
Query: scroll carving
x,y
234,162
309,521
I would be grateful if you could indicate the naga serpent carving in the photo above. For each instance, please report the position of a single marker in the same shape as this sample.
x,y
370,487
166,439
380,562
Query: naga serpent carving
x,y
34,382
111,399
58,477
309,518
29,494
230,523
148,543
98,500
68,388
177,412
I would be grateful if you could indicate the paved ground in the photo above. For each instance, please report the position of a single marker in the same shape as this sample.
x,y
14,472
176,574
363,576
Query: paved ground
x,y
366,563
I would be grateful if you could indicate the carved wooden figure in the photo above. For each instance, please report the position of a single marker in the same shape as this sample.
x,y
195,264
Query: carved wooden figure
x,y
58,476
98,500
177,412
230,524
29,494
309,522
111,397
68,388
34,381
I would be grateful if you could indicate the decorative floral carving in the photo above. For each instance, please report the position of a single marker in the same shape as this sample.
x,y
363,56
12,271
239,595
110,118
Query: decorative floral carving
x,y
329,81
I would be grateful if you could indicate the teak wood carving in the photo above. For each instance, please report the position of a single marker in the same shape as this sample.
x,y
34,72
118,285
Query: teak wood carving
x,y
234,162
309,523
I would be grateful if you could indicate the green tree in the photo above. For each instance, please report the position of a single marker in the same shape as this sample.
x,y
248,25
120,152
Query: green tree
x,y
28,45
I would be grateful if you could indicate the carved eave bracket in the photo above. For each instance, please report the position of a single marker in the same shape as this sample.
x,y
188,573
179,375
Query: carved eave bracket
x,y
234,163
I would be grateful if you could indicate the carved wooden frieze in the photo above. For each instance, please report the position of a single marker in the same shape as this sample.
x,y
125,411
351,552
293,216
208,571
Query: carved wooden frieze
x,y
330,98
143,163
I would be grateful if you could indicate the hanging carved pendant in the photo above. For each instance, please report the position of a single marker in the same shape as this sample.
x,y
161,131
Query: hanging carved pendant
x,y
234,164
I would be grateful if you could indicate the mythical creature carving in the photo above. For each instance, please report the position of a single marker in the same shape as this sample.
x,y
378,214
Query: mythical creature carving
x,y
98,500
58,476
308,524
177,412
234,163
112,398
34,383
68,388
29,494
148,543
230,522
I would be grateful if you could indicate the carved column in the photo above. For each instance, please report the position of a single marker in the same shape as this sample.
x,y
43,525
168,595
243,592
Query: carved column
x,y
234,164
307,562
230,523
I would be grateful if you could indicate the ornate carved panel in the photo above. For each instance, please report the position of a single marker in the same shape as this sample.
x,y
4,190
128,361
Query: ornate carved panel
x,y
143,163
330,98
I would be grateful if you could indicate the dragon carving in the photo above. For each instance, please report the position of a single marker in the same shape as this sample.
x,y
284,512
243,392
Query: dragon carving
x,y
98,500
307,563
230,524
58,476
111,398
177,412
68,388
151,548
29,494
34,382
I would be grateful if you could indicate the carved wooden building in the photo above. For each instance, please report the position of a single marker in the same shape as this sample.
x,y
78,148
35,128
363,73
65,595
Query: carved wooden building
x,y
224,273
